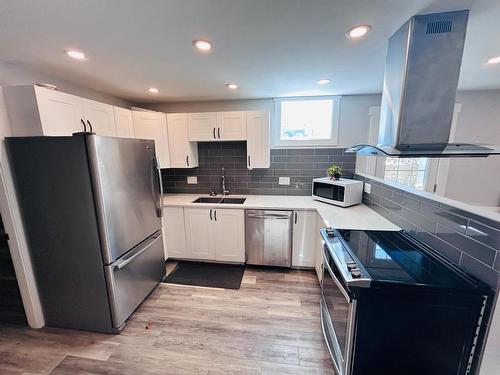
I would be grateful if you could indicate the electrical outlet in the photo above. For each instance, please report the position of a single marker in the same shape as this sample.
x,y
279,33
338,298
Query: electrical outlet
x,y
368,188
284,181
192,180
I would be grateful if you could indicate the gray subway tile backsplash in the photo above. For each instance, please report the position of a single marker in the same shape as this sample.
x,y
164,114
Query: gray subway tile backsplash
x,y
301,165
468,240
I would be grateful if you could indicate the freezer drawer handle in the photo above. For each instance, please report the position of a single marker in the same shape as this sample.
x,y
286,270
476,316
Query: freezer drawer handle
x,y
277,217
127,261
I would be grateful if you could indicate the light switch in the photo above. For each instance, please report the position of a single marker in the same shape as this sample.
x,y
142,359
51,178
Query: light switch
x,y
284,181
192,180
368,188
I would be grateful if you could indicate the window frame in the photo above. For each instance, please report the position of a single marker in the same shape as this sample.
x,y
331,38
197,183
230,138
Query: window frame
x,y
411,170
332,141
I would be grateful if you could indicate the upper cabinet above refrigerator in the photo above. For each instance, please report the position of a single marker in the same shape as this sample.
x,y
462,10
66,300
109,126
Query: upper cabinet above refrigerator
x,y
35,110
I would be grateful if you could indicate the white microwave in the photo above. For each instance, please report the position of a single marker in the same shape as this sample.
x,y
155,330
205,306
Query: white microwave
x,y
343,192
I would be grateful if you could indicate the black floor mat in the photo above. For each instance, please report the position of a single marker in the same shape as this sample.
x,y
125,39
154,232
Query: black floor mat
x,y
214,275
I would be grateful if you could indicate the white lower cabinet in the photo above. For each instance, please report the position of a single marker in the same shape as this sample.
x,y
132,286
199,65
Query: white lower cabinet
x,y
304,238
319,243
175,232
229,235
215,234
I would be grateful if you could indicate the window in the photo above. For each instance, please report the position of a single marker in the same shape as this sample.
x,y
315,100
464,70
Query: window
x,y
306,121
407,171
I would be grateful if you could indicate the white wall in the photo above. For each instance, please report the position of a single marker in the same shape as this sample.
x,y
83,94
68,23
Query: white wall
x,y
14,75
353,123
477,180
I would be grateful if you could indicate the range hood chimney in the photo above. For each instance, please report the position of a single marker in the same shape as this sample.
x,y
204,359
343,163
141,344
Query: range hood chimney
x,y
420,84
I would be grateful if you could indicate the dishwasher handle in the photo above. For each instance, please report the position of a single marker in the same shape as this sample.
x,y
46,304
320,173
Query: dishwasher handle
x,y
269,216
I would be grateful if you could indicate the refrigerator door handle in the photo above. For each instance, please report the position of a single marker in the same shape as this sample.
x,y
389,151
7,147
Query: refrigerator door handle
x,y
126,261
160,183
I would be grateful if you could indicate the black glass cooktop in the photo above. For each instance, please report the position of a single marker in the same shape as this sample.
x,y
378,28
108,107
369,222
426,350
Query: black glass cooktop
x,y
394,257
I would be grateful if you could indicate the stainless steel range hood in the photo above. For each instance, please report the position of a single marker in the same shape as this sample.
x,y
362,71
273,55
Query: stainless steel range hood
x,y
420,84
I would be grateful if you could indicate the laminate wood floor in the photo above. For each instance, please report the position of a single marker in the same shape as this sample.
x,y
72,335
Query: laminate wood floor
x,y
270,326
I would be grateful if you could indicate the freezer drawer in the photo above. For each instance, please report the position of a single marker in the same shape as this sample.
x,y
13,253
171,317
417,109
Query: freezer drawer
x,y
268,237
132,277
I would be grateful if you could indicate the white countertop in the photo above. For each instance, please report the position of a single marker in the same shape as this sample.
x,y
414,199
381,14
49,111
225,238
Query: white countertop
x,y
354,217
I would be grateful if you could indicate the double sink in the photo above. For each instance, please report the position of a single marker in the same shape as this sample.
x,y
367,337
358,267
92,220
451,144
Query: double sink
x,y
220,200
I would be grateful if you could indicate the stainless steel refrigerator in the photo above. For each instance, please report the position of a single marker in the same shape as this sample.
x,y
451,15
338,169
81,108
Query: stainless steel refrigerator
x,y
91,208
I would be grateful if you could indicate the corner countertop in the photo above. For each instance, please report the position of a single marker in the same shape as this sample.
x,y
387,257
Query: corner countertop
x,y
354,217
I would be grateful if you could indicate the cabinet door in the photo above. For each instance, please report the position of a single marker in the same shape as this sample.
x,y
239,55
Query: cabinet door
x,y
123,122
153,125
60,113
202,126
258,144
232,126
199,227
183,154
175,232
229,235
101,117
319,243
304,239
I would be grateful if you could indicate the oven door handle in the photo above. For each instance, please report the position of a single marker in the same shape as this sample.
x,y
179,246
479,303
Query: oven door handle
x,y
337,282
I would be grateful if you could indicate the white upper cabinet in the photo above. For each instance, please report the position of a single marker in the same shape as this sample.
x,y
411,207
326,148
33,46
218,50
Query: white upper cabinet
x,y
258,143
202,126
183,153
229,235
35,110
153,125
60,113
123,122
100,116
304,239
232,126
217,126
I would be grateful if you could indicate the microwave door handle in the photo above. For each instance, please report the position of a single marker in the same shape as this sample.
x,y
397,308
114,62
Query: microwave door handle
x,y
337,282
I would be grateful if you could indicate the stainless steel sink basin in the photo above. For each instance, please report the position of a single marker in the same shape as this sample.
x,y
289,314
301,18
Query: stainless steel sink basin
x,y
207,200
233,200
220,200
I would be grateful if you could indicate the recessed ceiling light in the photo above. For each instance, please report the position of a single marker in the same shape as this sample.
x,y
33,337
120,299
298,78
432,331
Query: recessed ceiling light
x,y
323,81
357,32
153,90
494,60
202,45
74,54
232,86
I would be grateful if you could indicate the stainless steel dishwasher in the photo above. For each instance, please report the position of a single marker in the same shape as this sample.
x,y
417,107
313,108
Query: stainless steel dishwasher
x,y
268,237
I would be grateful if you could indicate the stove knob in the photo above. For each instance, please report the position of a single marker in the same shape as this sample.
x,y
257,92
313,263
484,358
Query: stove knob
x,y
356,273
351,265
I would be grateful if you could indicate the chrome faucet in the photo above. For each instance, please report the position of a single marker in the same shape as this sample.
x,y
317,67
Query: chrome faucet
x,y
224,191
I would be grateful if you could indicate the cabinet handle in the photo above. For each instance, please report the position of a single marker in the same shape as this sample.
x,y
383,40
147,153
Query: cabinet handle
x,y
214,133
215,215
90,126
295,217
84,126
210,214
187,160
249,160
218,132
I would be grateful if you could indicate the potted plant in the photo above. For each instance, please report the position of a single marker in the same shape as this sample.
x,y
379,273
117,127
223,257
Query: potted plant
x,y
334,172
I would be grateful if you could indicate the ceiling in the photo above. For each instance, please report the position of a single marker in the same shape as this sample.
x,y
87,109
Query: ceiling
x,y
271,48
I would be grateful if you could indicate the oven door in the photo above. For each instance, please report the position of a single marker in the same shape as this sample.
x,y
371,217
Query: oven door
x,y
338,310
